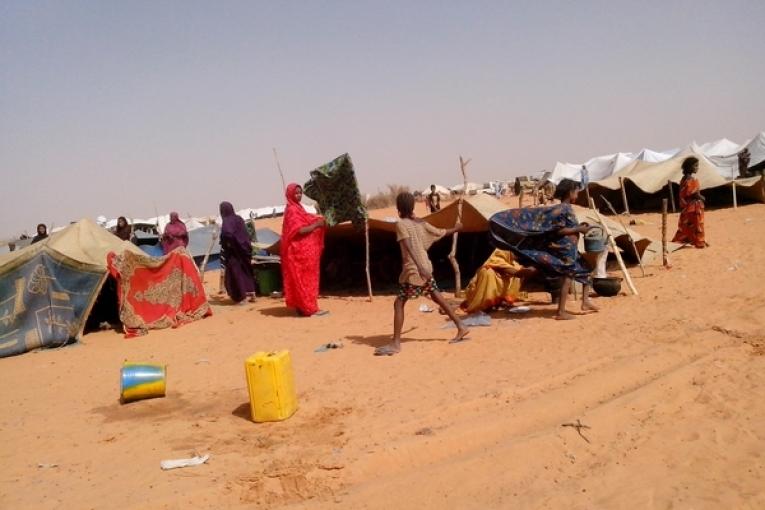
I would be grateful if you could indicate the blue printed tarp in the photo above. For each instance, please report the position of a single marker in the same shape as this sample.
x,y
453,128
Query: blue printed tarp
x,y
44,300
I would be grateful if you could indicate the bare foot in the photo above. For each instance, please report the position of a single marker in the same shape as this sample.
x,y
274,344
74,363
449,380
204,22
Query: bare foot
x,y
587,306
564,316
462,335
388,350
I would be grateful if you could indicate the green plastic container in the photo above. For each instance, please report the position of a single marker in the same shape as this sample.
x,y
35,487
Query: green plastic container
x,y
269,278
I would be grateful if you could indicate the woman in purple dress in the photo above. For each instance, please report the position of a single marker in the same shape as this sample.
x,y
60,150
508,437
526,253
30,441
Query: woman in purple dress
x,y
236,255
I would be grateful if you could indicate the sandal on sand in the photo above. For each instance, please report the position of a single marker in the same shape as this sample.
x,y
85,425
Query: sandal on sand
x,y
460,339
320,313
385,350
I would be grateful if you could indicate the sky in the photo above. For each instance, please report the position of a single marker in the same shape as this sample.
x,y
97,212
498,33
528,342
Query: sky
x,y
127,108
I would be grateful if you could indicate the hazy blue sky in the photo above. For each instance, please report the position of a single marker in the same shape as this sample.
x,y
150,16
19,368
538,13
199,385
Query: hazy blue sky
x,y
112,107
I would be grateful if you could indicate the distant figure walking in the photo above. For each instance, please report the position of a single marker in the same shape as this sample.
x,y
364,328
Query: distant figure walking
x,y
301,247
123,230
175,234
236,255
690,226
433,200
42,233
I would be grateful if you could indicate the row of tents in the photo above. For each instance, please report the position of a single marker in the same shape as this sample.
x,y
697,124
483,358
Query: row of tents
x,y
641,181
50,291
721,155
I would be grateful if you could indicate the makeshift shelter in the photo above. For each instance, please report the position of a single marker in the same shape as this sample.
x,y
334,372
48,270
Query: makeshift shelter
x,y
48,289
342,262
721,147
646,183
756,147
471,188
156,293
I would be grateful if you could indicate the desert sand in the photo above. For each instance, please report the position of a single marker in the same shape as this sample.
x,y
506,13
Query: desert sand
x,y
669,383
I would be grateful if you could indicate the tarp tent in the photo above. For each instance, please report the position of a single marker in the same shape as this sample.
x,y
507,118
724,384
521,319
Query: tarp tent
x,y
48,289
643,179
722,147
441,190
756,147
343,259
597,168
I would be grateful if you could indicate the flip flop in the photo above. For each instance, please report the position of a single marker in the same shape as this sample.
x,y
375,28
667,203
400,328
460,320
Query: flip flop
x,y
385,351
461,339
320,313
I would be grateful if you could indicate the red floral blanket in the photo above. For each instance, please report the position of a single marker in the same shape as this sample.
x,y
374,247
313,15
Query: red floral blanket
x,y
156,293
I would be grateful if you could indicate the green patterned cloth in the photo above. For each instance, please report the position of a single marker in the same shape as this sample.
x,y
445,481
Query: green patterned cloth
x,y
334,188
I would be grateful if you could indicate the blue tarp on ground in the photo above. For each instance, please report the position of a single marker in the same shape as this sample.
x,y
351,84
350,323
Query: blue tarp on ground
x,y
44,300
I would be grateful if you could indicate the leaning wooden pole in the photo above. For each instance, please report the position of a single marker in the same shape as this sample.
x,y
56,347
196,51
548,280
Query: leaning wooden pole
x,y
624,196
279,168
366,240
612,243
671,196
664,249
632,240
453,252
203,267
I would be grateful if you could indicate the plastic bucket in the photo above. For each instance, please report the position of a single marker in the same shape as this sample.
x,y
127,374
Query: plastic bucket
x,y
595,240
269,279
142,380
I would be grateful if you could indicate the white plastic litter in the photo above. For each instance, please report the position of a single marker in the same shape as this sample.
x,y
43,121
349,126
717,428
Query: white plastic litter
x,y
520,309
425,308
182,463
472,320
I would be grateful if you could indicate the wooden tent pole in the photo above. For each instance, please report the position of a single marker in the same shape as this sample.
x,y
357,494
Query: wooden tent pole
x,y
735,198
632,240
664,249
624,196
453,252
612,243
366,239
279,167
203,267
671,196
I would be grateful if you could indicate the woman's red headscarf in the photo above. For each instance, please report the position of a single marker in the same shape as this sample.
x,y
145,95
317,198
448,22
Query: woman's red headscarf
x,y
301,255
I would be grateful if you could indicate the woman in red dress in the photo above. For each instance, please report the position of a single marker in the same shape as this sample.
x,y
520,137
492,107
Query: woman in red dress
x,y
690,227
301,247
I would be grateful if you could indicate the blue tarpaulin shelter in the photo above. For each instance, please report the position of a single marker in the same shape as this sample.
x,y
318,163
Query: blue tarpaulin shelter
x,y
48,289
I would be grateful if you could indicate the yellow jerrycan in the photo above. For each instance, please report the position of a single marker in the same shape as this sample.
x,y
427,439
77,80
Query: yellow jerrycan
x,y
271,386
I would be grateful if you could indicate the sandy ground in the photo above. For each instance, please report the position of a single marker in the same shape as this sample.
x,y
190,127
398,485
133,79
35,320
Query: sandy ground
x,y
669,383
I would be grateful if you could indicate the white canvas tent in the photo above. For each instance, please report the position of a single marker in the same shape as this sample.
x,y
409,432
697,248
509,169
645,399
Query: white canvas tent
x,y
443,191
756,148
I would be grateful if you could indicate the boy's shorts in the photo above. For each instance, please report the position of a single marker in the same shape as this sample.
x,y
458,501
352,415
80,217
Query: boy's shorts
x,y
409,291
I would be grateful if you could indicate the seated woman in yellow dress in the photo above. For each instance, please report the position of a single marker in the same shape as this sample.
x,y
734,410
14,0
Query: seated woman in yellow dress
x,y
497,282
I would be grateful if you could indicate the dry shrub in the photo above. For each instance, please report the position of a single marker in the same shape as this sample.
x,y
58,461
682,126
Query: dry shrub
x,y
383,199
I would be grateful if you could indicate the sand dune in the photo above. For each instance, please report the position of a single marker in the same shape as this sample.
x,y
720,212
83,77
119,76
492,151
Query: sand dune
x,y
669,384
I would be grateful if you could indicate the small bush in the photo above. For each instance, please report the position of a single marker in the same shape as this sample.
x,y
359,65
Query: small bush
x,y
383,199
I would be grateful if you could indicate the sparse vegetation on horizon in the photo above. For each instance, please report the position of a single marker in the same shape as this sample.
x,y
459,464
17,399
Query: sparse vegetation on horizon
x,y
383,199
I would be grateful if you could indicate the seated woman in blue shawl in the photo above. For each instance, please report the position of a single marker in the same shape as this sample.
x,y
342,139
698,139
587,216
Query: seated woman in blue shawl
x,y
546,238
